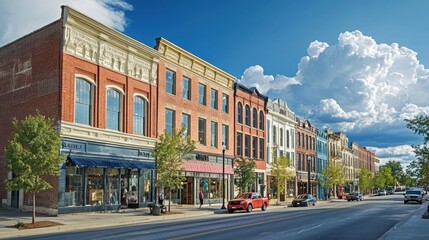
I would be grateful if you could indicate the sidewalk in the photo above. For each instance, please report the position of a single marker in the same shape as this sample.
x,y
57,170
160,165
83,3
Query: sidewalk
x,y
414,226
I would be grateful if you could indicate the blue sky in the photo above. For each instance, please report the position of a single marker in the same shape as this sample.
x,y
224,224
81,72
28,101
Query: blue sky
x,y
354,66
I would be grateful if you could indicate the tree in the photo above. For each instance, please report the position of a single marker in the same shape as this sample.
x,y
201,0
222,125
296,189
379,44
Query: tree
x,y
384,178
244,173
32,154
282,174
420,126
333,175
169,153
396,169
365,179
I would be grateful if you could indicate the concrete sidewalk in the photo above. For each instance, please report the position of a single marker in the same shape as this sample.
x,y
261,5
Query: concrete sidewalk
x,y
413,225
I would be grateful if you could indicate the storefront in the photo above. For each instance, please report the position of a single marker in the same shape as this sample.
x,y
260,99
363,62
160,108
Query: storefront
x,y
98,177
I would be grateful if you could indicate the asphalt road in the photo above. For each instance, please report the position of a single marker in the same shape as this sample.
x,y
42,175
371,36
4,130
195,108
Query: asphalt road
x,y
369,219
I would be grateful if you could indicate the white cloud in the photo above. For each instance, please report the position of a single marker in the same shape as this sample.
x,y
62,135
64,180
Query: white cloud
x,y
403,153
18,18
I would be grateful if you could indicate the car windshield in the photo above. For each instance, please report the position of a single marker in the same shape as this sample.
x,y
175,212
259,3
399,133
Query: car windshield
x,y
353,193
244,195
413,192
301,196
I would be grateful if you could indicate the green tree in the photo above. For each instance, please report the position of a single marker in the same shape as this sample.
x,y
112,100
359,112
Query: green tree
x,y
169,153
332,176
420,126
384,178
396,169
244,173
365,180
282,174
32,154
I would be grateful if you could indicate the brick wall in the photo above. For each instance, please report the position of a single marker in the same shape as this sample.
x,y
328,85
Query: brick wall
x,y
29,80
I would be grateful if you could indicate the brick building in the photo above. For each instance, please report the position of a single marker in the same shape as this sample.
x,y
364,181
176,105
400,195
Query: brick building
x,y
306,157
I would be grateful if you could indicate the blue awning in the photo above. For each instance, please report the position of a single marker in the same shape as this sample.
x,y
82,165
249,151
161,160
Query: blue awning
x,y
101,162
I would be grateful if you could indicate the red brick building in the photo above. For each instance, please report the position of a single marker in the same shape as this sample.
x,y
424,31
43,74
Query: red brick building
x,y
250,131
100,87
305,156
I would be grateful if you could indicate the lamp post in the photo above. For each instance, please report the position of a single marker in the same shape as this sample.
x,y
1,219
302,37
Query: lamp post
x,y
308,168
223,175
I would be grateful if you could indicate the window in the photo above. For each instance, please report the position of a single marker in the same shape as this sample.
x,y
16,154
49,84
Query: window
x,y
213,99
202,131
281,137
239,144
255,118
225,103
261,148
83,102
261,120
247,145
287,138
186,88
239,113
274,135
186,124
170,84
254,147
169,121
213,133
225,135
268,131
202,94
247,115
113,118
139,122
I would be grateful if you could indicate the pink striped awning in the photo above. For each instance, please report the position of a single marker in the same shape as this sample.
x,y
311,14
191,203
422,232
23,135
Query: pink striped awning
x,y
207,167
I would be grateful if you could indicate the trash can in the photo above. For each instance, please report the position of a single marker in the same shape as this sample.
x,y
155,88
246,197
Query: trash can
x,y
156,210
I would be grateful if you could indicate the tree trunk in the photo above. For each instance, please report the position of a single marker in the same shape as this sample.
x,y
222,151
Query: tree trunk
x,y
34,208
278,192
169,201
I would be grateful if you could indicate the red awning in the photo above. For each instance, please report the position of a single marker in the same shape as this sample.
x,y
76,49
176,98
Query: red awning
x,y
207,167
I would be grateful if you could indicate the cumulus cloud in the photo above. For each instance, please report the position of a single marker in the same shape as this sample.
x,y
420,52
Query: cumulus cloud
x,y
403,154
18,18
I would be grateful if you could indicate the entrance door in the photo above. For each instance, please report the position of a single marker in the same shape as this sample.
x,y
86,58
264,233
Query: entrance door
x,y
187,191
15,199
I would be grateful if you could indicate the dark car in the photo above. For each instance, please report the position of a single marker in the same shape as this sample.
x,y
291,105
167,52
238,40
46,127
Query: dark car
x,y
355,196
304,200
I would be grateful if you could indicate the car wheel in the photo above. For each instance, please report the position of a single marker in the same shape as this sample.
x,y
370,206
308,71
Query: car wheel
x,y
230,210
348,200
314,203
264,207
421,202
405,202
249,208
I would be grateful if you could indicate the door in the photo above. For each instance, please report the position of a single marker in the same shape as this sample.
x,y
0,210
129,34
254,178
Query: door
x,y
15,199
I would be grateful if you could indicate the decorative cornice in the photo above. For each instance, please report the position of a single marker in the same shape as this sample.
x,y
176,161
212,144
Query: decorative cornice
x,y
94,42
88,133
179,56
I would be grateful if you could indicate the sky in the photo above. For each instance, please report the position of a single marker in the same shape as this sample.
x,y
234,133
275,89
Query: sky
x,y
354,66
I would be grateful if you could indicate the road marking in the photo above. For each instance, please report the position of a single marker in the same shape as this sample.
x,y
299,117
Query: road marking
x,y
251,224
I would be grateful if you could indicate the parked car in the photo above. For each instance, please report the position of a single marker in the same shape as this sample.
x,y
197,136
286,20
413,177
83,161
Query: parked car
x,y
355,196
381,192
414,195
390,191
304,200
248,201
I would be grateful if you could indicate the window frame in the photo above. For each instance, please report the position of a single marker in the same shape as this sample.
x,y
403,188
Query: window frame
x,y
214,134
173,121
145,113
202,94
202,131
225,103
186,92
90,109
247,115
240,113
171,84
214,103
120,93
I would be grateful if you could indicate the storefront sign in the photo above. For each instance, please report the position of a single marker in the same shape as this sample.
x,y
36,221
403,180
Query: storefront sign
x,y
143,153
202,157
73,146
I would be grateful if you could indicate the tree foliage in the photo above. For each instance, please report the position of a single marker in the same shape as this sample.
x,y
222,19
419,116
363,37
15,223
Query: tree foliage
x,y
280,170
31,154
244,174
384,178
169,153
333,175
396,169
365,180
420,126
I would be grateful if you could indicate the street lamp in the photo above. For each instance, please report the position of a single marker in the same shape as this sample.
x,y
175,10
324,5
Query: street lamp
x,y
308,168
223,175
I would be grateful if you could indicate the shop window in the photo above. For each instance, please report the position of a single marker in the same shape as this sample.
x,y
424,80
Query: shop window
x,y
94,195
112,188
73,195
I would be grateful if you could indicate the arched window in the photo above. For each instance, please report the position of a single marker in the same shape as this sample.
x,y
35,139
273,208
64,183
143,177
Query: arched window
x,y
239,113
261,120
113,113
247,115
255,118
139,119
83,102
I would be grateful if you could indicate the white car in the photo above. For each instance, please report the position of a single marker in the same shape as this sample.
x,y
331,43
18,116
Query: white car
x,y
413,196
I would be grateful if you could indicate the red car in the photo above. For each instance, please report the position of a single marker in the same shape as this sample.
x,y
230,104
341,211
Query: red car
x,y
248,201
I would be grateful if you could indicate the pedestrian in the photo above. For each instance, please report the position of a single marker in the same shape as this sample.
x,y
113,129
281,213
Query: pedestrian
x,y
161,198
201,196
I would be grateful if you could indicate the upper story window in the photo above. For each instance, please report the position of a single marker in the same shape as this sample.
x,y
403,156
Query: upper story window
x,y
83,102
170,119
261,120
186,88
274,135
170,84
213,99
186,123
225,136
140,119
255,118
239,144
202,131
287,138
213,132
113,113
281,137
225,103
239,113
247,115
202,94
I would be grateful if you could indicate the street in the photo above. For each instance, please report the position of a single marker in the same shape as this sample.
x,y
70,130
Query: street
x,y
368,219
